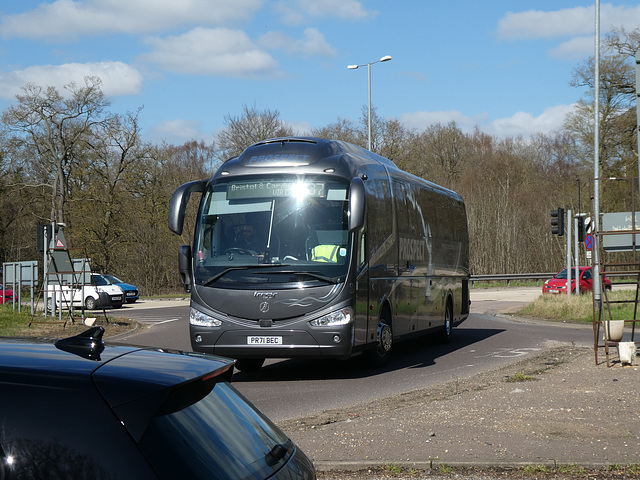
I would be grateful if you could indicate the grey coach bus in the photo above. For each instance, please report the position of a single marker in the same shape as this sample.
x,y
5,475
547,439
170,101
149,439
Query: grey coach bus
x,y
319,248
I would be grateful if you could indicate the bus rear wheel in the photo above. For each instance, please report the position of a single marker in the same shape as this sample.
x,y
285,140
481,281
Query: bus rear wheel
x,y
249,364
380,354
446,334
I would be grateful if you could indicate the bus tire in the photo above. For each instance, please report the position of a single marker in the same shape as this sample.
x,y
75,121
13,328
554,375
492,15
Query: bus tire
x,y
446,334
249,364
380,354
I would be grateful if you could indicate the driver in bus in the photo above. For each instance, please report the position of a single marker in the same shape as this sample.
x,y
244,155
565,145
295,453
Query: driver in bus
x,y
248,239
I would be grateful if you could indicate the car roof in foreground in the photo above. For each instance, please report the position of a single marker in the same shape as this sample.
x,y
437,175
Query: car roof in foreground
x,y
133,380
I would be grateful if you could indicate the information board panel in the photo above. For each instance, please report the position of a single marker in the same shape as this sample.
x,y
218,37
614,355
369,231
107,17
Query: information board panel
x,y
613,227
24,272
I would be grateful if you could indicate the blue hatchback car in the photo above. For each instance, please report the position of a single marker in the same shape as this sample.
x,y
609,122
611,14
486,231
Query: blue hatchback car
x,y
131,293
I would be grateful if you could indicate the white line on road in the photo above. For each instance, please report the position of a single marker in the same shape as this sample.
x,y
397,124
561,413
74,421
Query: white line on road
x,y
166,321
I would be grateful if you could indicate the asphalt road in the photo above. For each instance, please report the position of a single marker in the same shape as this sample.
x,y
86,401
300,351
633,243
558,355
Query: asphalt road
x,y
285,388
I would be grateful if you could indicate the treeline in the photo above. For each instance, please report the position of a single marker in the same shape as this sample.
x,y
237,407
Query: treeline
x,y
66,158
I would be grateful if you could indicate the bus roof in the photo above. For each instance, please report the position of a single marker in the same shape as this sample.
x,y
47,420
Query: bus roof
x,y
300,151
312,155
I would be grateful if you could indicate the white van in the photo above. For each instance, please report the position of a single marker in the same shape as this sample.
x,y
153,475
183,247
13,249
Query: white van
x,y
99,293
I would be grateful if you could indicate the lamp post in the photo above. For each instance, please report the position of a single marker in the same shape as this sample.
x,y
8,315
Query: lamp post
x,y
386,58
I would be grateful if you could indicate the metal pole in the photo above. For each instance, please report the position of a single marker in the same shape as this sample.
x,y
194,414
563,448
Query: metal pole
x,y
638,109
369,77
45,266
569,252
581,214
597,288
575,253
386,58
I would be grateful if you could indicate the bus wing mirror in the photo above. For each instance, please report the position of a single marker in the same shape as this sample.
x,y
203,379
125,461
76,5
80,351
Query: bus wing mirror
x,y
184,266
357,199
178,204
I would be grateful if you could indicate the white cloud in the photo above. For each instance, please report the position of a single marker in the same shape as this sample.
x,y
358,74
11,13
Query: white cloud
x,y
69,18
299,128
312,44
422,120
577,24
178,131
521,123
298,12
117,78
525,124
574,49
206,51
539,24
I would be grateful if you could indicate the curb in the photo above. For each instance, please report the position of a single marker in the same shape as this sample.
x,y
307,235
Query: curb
x,y
354,466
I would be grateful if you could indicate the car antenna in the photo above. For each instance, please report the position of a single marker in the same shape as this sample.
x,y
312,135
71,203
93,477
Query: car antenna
x,y
87,344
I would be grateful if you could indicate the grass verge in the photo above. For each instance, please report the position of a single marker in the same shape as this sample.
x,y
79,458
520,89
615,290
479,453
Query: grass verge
x,y
16,324
579,308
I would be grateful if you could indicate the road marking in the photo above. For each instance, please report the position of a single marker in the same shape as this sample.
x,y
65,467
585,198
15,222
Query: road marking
x,y
509,353
166,321
518,352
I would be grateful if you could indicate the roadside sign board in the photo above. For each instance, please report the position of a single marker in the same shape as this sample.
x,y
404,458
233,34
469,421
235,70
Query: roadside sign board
x,y
616,223
588,225
588,242
24,273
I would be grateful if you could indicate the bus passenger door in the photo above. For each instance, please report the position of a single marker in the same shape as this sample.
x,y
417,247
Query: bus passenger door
x,y
362,290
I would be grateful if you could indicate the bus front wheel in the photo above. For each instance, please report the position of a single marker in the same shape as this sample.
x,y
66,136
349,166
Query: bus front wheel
x,y
380,354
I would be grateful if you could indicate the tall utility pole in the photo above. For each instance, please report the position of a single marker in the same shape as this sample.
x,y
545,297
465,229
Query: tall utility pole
x,y
638,110
386,58
597,287
569,271
576,250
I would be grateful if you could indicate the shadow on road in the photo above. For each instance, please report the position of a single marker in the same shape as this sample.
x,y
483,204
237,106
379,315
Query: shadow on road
x,y
416,353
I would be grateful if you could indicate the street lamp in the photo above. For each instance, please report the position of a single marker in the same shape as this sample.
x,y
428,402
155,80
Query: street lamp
x,y
386,58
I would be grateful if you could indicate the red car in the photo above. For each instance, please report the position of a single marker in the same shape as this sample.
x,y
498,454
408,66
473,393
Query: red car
x,y
558,284
8,293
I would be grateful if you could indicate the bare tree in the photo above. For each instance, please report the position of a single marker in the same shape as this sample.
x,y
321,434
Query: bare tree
x,y
342,129
617,99
103,187
250,127
57,129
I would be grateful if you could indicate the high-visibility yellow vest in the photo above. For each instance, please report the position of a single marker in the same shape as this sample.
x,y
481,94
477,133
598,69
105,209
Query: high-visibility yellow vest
x,y
325,253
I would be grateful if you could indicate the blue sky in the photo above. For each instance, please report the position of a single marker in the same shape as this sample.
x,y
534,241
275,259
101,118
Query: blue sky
x,y
503,66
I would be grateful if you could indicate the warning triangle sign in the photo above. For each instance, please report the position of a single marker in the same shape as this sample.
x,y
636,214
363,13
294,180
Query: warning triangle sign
x,y
59,242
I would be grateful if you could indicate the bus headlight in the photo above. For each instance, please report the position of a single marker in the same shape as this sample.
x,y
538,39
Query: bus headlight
x,y
196,317
339,317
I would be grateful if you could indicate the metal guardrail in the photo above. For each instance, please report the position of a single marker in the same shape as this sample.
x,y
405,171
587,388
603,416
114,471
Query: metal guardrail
x,y
508,277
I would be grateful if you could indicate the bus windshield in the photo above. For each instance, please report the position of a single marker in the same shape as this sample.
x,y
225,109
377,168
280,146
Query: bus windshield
x,y
272,229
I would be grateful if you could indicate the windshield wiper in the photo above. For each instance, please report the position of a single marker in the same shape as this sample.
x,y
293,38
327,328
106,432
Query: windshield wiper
x,y
223,273
217,276
317,276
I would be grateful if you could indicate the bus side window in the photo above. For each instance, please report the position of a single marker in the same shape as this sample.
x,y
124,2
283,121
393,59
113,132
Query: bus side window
x,y
362,249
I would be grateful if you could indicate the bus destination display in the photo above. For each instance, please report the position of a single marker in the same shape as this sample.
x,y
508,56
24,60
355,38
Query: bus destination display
x,y
271,189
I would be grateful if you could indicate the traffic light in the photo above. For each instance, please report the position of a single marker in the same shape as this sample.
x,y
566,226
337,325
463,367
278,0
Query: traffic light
x,y
557,221
581,229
